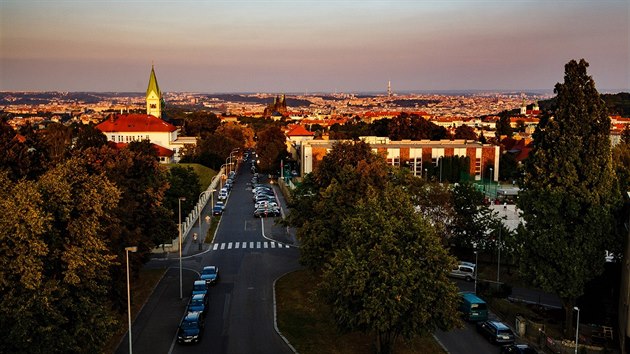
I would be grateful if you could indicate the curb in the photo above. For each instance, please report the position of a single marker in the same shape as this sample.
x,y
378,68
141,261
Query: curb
x,y
275,315
440,343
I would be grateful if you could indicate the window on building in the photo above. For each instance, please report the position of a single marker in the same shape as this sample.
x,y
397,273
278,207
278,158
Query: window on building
x,y
113,137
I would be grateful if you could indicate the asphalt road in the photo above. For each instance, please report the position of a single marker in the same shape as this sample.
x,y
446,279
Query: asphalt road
x,y
241,313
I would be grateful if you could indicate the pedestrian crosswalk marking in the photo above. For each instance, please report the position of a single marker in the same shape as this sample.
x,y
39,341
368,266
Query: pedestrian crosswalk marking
x,y
244,245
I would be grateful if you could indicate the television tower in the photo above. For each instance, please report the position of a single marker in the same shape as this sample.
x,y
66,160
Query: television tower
x,y
389,89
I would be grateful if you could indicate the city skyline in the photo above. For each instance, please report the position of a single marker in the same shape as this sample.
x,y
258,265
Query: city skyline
x,y
307,46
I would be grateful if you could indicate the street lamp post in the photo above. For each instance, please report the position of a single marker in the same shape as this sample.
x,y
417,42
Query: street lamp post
x,y
499,255
577,328
476,258
179,227
201,208
426,174
127,250
221,177
490,179
440,162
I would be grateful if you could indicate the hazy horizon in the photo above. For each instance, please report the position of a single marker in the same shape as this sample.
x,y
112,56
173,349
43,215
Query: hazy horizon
x,y
310,46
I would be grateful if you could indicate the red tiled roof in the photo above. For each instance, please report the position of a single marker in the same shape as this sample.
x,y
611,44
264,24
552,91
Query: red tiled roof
x,y
135,123
299,130
161,151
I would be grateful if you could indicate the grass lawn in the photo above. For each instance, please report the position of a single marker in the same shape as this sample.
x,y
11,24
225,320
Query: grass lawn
x,y
205,174
308,326
214,223
141,289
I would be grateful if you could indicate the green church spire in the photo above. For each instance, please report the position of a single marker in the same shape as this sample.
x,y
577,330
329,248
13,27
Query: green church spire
x,y
153,84
154,96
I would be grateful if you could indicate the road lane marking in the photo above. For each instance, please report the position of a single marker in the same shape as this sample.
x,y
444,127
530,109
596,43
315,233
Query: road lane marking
x,y
230,245
216,246
251,245
236,244
265,245
257,244
273,244
223,246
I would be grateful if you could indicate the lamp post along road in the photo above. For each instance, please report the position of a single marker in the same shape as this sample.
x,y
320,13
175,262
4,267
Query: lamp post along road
x,y
577,328
127,250
179,227
499,255
201,209
476,258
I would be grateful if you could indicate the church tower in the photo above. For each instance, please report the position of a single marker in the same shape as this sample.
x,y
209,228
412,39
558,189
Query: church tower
x,y
154,96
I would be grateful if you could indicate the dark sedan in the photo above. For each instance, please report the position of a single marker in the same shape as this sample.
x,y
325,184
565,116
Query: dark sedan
x,y
191,328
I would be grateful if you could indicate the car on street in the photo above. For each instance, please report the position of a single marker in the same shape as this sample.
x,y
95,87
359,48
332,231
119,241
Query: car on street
x,y
223,194
191,328
464,270
518,349
217,210
264,212
265,204
199,303
496,332
210,274
220,204
200,287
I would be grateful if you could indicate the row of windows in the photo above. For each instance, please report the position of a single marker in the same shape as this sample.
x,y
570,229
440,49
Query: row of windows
x,y
129,138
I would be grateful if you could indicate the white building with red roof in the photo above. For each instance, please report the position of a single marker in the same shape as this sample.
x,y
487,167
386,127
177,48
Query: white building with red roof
x,y
122,129
295,136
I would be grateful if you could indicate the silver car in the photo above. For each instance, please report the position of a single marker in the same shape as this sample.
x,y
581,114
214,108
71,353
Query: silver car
x,y
464,270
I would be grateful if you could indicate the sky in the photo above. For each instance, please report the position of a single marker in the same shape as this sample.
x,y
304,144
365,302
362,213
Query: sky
x,y
303,46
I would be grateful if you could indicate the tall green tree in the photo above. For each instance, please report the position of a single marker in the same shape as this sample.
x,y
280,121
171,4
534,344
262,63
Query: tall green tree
x,y
473,219
54,292
503,126
271,148
568,191
390,277
465,132
330,193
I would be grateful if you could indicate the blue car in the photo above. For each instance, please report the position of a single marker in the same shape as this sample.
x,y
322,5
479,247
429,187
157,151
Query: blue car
x,y
199,303
210,274
191,328
217,210
200,287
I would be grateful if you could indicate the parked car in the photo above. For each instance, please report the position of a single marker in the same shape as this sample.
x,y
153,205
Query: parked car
x,y
200,287
220,204
265,204
199,303
210,274
223,194
191,328
265,212
217,210
473,308
464,270
496,332
518,349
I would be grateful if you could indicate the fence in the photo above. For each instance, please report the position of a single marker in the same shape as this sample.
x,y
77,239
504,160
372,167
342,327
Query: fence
x,y
191,218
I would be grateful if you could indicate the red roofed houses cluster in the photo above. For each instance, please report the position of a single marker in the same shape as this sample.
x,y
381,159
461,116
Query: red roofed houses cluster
x,y
121,129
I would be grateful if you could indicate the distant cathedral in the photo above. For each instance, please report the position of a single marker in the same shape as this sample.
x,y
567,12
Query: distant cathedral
x,y
279,106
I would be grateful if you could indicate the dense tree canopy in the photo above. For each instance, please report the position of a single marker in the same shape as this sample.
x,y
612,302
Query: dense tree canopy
x,y
56,261
356,219
390,277
271,148
568,191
